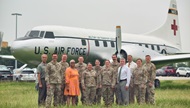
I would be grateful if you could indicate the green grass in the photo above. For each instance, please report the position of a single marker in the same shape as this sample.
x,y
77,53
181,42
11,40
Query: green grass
x,y
172,94
18,95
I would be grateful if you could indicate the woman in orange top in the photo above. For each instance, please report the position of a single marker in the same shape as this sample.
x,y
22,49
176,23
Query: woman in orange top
x,y
72,83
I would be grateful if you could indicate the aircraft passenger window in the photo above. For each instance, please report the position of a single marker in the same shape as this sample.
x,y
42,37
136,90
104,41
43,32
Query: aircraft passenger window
x,y
112,44
152,46
49,35
83,42
140,44
97,43
105,44
42,34
146,45
34,34
158,47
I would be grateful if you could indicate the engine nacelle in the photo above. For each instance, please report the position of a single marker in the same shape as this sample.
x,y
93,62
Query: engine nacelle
x,y
123,54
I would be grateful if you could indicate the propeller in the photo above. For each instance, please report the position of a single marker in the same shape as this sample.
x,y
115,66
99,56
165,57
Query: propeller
x,y
118,41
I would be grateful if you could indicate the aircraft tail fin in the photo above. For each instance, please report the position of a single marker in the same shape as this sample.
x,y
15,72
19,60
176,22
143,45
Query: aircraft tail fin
x,y
1,39
170,29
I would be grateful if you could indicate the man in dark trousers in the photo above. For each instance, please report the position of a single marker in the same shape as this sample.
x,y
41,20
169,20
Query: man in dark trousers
x,y
41,80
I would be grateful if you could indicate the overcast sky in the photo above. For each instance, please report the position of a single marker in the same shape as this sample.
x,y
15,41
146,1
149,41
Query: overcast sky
x,y
134,16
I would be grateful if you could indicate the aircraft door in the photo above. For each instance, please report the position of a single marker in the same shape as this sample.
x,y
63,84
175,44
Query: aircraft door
x,y
85,49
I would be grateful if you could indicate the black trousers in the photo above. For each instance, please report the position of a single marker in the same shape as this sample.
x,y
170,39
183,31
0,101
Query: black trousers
x,y
42,92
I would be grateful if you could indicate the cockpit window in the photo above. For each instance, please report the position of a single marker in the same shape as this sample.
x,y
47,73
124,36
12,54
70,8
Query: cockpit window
x,y
34,34
26,35
42,34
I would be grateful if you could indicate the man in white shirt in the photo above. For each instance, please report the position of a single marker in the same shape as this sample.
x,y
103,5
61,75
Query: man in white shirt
x,y
132,65
123,81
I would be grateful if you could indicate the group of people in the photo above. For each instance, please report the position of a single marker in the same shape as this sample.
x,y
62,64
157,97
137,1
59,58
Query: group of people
x,y
64,82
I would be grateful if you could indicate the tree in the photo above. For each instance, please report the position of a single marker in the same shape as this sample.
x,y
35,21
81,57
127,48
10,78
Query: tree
x,y
188,64
181,65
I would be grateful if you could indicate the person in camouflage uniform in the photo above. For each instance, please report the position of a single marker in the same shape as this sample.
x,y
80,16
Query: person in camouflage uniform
x,y
98,70
64,66
107,83
140,80
115,65
89,84
81,67
151,69
53,80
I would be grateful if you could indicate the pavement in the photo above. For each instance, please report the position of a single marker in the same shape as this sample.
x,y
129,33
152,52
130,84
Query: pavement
x,y
172,78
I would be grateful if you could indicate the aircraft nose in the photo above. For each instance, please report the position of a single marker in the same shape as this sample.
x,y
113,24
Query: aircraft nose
x,y
23,51
17,49
14,48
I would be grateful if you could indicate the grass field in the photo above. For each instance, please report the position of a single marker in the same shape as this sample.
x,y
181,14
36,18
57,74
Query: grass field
x,y
172,94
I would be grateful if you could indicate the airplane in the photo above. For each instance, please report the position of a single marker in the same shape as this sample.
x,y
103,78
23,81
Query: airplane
x,y
162,44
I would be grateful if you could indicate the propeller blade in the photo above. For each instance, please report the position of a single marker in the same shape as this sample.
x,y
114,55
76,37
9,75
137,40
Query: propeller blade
x,y
118,40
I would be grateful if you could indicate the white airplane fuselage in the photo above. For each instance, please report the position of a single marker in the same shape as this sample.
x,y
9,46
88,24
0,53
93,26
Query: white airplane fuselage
x,y
29,49
95,44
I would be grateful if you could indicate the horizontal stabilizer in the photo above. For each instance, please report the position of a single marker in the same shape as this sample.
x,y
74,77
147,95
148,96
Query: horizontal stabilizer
x,y
7,57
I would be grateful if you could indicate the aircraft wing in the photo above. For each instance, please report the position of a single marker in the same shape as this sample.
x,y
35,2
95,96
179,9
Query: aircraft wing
x,y
164,60
7,57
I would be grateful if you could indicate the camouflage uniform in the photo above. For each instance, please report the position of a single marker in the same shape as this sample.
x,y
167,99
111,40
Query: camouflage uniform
x,y
64,66
140,80
53,78
108,82
81,67
97,99
151,69
115,66
89,82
